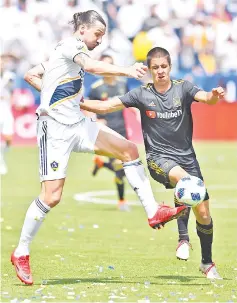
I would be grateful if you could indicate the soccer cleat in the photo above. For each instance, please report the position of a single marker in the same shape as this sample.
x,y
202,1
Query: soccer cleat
x,y
210,271
98,164
182,250
22,268
123,205
165,214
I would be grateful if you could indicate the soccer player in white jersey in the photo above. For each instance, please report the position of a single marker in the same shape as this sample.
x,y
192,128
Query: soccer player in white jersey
x,y
62,129
6,117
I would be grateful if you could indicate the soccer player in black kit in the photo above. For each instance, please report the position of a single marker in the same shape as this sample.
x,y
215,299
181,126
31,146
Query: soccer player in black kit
x,y
103,89
165,107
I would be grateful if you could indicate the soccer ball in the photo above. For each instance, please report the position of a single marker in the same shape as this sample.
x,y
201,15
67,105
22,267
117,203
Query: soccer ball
x,y
190,191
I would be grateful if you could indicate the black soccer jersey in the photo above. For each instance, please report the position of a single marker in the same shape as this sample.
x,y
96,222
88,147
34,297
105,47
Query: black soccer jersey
x,y
103,91
166,118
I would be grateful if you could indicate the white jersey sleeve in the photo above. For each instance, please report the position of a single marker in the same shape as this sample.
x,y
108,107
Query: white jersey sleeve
x,y
73,48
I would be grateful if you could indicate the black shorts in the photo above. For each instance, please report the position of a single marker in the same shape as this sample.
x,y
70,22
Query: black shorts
x,y
160,167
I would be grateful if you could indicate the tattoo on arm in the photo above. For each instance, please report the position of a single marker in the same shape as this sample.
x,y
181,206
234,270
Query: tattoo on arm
x,y
81,59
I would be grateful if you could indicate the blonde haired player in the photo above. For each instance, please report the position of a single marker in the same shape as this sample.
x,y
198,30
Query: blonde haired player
x,y
62,129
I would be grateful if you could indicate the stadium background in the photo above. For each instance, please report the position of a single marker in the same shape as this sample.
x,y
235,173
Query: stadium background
x,y
201,37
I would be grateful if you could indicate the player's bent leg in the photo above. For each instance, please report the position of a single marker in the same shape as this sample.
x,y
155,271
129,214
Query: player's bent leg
x,y
49,197
112,144
176,173
202,213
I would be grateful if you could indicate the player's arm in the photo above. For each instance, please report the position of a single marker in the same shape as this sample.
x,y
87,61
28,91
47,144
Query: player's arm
x,y
210,98
34,76
138,70
105,107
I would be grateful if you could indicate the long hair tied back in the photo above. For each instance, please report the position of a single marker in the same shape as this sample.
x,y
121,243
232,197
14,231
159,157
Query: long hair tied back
x,y
88,18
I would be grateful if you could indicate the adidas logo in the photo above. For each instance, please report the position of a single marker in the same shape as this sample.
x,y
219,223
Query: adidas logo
x,y
152,104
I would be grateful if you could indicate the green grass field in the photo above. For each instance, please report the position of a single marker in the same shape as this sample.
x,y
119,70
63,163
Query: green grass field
x,y
89,252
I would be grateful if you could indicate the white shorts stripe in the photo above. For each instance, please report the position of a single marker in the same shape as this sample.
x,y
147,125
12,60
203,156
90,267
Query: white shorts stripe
x,y
43,149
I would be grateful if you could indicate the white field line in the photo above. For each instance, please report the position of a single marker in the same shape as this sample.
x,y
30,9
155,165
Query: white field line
x,y
94,197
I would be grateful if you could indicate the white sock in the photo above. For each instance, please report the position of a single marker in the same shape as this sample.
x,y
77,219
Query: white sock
x,y
137,178
33,220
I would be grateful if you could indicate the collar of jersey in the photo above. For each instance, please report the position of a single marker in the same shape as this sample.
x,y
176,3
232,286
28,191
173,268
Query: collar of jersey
x,y
156,92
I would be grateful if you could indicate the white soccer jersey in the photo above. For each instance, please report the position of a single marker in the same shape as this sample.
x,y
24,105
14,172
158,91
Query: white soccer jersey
x,y
62,82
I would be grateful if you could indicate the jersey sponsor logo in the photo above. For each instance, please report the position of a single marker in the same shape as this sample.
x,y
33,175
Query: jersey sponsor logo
x,y
151,114
168,115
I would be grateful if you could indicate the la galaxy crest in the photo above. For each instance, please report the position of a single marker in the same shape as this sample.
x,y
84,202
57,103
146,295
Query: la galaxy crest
x,y
54,165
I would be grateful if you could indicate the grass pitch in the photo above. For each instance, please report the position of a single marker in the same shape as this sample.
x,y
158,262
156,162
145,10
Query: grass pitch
x,y
88,252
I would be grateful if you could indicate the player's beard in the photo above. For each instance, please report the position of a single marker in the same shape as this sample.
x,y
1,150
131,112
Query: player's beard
x,y
90,48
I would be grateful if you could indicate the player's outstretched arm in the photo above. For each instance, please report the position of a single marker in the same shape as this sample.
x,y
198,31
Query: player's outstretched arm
x,y
212,97
105,107
138,70
34,76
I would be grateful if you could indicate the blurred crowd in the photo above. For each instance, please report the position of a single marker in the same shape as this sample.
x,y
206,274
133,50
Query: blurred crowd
x,y
201,35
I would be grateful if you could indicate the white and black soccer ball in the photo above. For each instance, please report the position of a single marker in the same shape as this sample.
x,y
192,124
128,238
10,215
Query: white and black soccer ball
x,y
190,191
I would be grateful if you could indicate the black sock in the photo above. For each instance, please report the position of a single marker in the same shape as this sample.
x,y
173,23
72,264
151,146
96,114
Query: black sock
x,y
182,222
205,233
120,185
108,165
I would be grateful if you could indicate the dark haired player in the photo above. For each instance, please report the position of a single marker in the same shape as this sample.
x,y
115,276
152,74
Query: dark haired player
x,y
165,107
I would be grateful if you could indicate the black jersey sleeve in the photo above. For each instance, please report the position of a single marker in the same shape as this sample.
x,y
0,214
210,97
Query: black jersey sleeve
x,y
190,90
131,99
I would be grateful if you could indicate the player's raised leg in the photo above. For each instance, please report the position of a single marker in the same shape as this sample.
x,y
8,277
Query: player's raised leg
x,y
112,144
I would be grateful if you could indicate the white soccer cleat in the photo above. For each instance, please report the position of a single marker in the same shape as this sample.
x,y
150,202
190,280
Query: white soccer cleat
x,y
182,250
210,271
123,206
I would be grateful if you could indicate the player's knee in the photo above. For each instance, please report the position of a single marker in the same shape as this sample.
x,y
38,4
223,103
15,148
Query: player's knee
x,y
52,199
130,153
203,216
